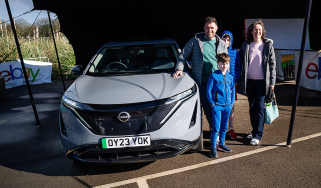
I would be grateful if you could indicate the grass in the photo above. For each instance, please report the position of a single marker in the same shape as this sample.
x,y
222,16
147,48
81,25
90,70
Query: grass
x,y
42,47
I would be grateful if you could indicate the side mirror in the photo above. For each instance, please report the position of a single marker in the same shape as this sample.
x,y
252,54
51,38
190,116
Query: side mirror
x,y
77,70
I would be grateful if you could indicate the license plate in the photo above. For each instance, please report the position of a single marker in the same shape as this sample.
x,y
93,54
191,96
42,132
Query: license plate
x,y
123,142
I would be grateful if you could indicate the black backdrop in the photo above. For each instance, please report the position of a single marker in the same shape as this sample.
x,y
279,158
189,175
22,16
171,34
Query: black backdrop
x,y
89,24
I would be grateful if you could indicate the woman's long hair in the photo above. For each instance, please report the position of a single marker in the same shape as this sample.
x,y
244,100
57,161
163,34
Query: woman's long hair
x,y
249,36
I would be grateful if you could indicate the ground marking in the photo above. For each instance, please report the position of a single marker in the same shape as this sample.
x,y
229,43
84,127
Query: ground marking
x,y
142,181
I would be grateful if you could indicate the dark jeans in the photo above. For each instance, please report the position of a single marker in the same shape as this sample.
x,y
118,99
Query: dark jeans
x,y
256,94
205,104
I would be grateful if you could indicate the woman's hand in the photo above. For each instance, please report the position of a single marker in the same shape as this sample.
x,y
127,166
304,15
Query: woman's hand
x,y
270,94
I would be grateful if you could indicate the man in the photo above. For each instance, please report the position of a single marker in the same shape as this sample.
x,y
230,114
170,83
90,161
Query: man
x,y
201,51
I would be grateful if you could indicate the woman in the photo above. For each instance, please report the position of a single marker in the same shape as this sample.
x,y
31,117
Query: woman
x,y
258,75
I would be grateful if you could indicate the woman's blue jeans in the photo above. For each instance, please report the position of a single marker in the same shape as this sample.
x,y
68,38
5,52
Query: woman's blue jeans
x,y
256,95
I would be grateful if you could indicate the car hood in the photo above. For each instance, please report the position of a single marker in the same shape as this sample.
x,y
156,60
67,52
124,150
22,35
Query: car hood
x,y
126,89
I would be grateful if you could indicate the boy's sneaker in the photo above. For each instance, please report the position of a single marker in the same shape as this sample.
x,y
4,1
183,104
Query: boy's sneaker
x,y
213,154
231,134
224,148
255,142
250,136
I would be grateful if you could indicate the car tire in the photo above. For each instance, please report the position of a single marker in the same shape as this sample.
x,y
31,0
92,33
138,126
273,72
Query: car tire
x,y
201,140
78,164
200,146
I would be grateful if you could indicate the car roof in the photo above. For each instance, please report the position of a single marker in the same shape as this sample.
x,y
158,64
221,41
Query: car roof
x,y
130,43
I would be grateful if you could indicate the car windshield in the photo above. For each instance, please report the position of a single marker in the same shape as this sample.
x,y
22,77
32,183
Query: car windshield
x,y
134,59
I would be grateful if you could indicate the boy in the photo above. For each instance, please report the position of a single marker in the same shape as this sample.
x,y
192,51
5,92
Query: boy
x,y
235,69
221,96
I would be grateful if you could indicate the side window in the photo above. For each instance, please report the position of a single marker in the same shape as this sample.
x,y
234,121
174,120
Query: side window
x,y
100,55
164,58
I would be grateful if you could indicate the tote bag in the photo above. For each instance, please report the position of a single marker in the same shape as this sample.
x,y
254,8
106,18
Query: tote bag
x,y
271,111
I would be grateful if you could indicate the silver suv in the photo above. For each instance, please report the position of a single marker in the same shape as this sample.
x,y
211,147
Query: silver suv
x,y
126,107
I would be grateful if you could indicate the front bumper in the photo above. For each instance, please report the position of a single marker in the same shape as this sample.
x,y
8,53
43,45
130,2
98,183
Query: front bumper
x,y
159,149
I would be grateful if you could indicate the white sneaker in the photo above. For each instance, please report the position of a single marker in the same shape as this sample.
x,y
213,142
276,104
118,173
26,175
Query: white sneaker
x,y
250,136
255,142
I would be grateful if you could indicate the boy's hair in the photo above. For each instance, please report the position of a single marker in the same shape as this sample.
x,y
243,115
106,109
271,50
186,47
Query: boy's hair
x,y
224,58
226,36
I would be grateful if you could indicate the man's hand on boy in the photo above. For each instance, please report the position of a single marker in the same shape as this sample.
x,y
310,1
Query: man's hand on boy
x,y
178,74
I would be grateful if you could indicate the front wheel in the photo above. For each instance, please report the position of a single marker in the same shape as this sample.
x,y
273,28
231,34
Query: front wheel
x,y
200,145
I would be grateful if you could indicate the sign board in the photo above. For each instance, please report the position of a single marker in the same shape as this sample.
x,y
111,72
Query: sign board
x,y
38,72
311,70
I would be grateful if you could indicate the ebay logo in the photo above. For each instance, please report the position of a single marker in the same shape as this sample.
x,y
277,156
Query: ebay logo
x,y
15,73
313,70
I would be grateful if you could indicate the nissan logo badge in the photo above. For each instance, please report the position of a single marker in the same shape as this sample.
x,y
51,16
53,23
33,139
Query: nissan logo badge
x,y
123,116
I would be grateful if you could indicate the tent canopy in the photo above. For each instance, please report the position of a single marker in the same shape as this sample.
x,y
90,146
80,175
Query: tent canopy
x,y
89,24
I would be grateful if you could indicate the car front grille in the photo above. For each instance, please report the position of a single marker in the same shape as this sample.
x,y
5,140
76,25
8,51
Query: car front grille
x,y
159,149
144,117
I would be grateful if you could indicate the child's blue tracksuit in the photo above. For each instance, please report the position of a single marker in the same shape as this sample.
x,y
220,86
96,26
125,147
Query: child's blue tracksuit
x,y
221,96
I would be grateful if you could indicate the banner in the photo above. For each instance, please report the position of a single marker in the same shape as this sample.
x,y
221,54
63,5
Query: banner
x,y
288,66
37,72
311,70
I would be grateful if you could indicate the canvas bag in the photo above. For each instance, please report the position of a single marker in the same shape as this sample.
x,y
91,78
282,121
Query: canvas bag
x,y
271,111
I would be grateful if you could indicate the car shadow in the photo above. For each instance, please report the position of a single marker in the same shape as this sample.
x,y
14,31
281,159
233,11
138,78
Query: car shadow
x,y
37,149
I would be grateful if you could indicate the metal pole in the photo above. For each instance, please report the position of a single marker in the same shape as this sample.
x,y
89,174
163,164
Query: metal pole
x,y
298,77
54,40
22,63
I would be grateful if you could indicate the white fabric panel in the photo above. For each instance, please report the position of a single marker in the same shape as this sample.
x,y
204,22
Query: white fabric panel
x,y
285,33
311,70
38,72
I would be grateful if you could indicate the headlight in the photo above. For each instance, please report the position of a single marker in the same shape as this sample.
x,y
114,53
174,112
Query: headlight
x,y
73,104
76,109
183,95
181,98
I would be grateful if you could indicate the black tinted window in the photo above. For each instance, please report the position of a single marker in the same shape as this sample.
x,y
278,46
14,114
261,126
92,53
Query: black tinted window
x,y
144,58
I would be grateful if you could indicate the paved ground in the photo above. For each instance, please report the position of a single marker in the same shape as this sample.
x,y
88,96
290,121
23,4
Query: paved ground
x,y
32,156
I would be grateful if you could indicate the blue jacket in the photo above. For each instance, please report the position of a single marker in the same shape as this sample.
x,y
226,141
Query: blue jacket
x,y
235,66
220,89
